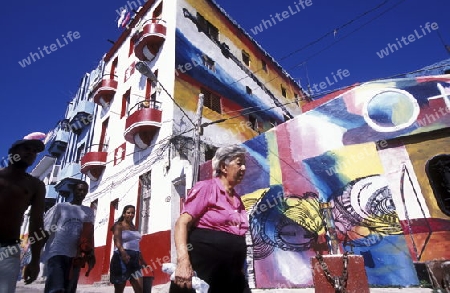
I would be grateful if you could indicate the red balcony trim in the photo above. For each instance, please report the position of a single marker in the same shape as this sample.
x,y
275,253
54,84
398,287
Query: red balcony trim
x,y
141,13
147,120
93,164
106,90
151,37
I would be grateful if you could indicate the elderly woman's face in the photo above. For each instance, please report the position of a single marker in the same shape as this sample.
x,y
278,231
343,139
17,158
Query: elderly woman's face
x,y
235,170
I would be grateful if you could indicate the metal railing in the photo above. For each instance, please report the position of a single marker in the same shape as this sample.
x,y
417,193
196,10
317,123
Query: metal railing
x,y
145,104
98,147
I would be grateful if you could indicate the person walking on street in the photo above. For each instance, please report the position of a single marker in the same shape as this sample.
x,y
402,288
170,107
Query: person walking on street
x,y
214,223
64,223
18,191
127,262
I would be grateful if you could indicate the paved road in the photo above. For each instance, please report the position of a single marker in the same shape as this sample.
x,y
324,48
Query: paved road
x,y
39,288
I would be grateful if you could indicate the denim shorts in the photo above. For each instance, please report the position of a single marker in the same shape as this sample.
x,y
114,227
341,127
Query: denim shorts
x,y
119,272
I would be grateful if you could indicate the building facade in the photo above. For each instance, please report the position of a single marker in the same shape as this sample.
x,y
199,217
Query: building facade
x,y
375,153
377,157
136,131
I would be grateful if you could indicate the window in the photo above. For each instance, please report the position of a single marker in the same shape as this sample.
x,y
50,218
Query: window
x,y
438,171
155,89
64,124
248,90
246,58
210,152
283,91
80,152
253,122
129,71
148,88
94,206
131,49
158,11
119,153
273,123
264,65
208,63
104,138
125,103
112,74
54,175
211,101
205,26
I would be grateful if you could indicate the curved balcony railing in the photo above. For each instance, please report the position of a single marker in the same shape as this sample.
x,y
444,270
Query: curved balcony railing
x,y
105,89
143,121
150,39
152,104
93,161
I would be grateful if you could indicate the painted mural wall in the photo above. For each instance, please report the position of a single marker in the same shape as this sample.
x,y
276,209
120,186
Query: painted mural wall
x,y
368,152
209,56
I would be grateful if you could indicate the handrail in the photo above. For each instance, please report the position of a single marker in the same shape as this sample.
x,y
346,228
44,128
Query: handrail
x,y
154,20
152,104
96,83
109,74
102,146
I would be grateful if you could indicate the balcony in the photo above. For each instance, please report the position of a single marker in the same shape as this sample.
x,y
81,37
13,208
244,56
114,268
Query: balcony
x,y
150,39
105,90
81,115
142,125
68,175
58,142
93,163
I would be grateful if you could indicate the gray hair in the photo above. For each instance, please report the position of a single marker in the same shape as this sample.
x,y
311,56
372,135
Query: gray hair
x,y
226,155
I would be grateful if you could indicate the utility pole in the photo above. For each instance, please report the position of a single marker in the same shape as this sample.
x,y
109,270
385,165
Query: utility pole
x,y
197,133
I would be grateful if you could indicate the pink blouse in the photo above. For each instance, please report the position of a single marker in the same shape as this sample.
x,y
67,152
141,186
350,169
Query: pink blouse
x,y
211,208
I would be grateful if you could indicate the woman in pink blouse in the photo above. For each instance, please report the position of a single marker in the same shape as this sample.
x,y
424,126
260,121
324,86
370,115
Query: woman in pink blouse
x,y
210,232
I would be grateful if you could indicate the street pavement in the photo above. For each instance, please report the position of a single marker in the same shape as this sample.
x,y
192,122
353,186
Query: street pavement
x,y
39,288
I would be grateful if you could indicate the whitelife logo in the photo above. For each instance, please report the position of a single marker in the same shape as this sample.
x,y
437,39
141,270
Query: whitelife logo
x,y
340,75
131,6
411,38
265,24
53,47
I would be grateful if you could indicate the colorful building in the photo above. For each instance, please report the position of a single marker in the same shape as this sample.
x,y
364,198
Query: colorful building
x,y
378,155
133,126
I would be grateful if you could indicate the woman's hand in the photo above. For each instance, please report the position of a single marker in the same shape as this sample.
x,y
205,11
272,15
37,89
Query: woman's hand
x,y
184,273
124,256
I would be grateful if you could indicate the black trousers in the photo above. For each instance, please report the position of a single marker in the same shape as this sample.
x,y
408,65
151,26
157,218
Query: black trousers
x,y
218,258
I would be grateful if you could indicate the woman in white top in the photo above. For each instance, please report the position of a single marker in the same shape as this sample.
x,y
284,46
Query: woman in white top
x,y
127,262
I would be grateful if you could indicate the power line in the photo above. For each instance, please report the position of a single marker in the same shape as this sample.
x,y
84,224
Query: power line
x,y
447,47
335,30
329,46
324,36
347,35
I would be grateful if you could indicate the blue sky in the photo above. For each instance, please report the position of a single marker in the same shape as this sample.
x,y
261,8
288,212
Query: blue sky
x,y
34,97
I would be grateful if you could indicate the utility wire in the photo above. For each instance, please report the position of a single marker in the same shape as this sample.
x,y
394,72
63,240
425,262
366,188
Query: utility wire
x,y
347,35
324,36
342,38
335,30
447,47
168,139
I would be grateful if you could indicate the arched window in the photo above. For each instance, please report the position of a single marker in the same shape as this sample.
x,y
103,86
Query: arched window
x,y
438,171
